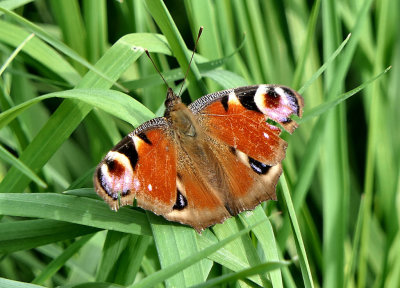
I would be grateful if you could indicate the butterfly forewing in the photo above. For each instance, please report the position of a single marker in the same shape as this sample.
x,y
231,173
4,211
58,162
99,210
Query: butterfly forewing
x,y
238,118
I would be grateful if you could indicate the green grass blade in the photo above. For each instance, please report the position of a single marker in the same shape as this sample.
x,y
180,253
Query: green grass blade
x,y
15,53
57,44
95,16
175,268
164,20
131,260
78,210
114,245
28,234
110,101
6,283
13,35
305,267
325,65
243,247
57,263
307,45
227,257
174,243
321,109
10,159
68,17
265,235
257,269
204,16
13,4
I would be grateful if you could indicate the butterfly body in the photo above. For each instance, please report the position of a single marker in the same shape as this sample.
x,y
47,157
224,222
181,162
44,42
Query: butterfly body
x,y
203,163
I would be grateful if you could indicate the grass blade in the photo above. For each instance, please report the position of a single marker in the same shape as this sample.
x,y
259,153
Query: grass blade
x,y
173,269
78,210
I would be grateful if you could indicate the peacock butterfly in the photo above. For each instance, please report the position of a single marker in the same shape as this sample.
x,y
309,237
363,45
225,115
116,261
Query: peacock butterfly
x,y
202,163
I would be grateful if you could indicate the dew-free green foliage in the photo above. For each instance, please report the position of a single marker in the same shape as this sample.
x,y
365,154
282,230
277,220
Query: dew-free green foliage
x,y
74,80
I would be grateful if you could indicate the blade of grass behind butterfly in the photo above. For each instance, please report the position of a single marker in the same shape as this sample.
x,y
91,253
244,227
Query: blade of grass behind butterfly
x,y
346,58
352,262
228,36
301,24
321,109
169,271
306,171
299,193
335,173
266,239
28,234
243,247
95,17
113,247
153,96
16,128
58,45
131,260
305,267
113,102
225,79
13,161
70,114
376,168
261,46
387,170
13,36
241,275
88,38
68,16
6,283
59,261
307,168
202,14
177,74
13,4
176,242
306,46
162,17
250,57
21,139
224,256
73,209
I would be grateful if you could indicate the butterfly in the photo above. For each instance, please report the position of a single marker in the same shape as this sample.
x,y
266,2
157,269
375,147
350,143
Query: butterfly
x,y
203,163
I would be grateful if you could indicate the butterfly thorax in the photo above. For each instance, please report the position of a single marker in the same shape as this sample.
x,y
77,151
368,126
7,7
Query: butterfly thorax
x,y
190,137
180,117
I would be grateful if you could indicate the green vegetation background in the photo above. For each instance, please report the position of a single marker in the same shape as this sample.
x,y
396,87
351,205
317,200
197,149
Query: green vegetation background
x,y
74,81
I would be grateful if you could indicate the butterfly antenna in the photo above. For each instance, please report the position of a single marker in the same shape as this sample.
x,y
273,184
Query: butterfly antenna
x,y
155,66
191,58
